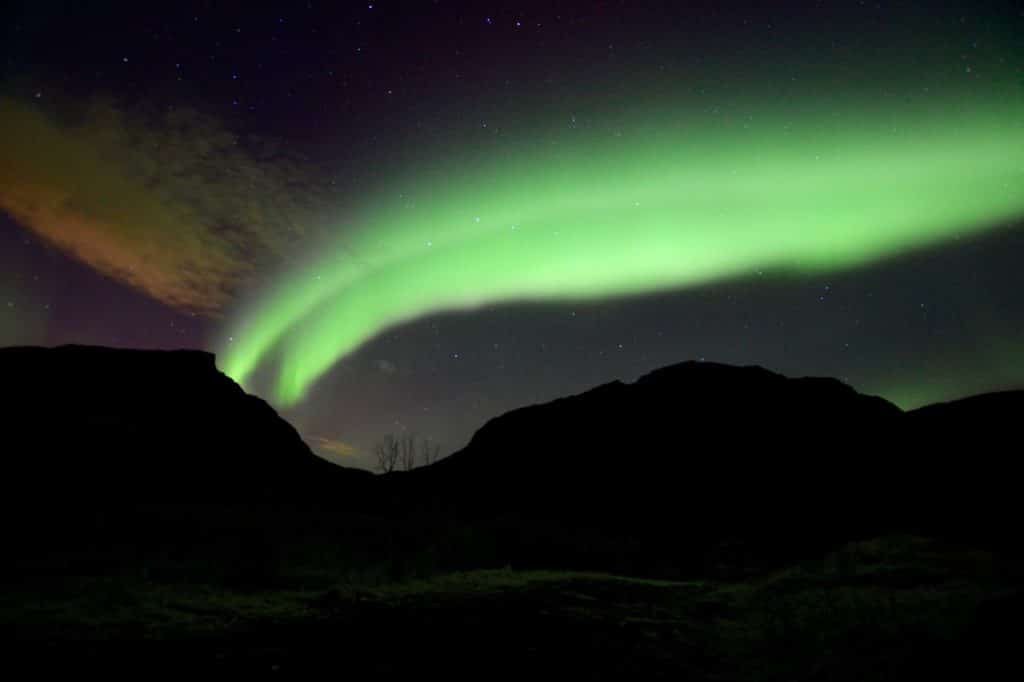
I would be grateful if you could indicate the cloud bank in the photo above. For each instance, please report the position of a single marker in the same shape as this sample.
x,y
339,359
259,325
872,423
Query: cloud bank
x,y
172,204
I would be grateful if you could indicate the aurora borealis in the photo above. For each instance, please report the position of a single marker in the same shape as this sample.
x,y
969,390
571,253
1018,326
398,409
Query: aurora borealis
x,y
702,203
411,217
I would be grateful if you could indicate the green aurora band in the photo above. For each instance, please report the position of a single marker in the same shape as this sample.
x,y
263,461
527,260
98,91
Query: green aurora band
x,y
695,200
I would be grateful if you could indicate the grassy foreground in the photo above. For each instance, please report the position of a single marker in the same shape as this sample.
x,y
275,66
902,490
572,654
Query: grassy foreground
x,y
890,607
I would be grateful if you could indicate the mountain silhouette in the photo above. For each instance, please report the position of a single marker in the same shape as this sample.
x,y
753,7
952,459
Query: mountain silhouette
x,y
967,452
90,422
695,454
145,489
688,460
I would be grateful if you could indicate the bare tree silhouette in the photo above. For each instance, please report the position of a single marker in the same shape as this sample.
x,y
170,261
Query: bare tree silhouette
x,y
430,452
387,453
407,445
405,452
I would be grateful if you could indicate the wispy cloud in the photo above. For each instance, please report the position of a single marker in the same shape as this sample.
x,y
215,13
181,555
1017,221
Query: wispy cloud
x,y
332,447
172,204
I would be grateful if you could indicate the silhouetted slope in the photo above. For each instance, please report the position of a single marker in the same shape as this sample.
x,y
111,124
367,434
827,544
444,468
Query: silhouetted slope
x,y
688,461
970,452
682,431
697,453
989,419
102,423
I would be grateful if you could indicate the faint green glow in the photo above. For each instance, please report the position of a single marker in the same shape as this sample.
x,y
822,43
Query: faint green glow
x,y
659,207
993,362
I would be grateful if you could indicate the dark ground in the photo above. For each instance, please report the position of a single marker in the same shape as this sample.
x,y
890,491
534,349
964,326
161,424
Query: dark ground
x,y
887,608
705,522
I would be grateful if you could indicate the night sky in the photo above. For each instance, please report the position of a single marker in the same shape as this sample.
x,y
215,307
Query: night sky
x,y
391,217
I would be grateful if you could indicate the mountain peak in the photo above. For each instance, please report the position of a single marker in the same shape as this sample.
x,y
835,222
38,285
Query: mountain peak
x,y
147,423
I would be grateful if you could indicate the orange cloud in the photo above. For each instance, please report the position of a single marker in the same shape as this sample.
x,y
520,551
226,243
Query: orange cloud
x,y
332,446
172,205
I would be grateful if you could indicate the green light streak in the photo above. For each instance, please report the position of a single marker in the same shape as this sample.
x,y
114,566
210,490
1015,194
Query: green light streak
x,y
662,207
